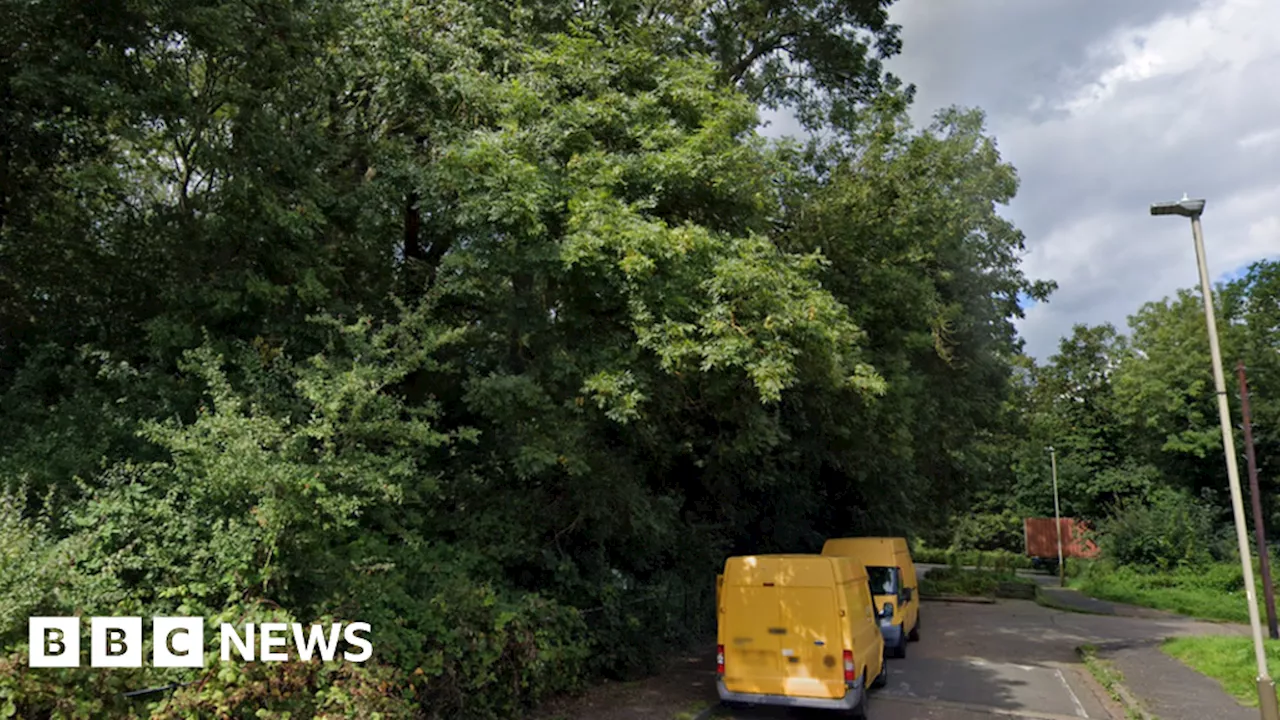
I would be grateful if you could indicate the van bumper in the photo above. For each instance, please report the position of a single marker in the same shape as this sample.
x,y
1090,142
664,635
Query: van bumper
x,y
852,696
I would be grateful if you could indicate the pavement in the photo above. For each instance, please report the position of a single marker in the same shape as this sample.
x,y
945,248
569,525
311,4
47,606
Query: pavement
x,y
1009,659
1167,688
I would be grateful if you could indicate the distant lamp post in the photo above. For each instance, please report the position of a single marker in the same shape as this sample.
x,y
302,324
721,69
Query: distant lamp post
x,y
1057,517
1192,209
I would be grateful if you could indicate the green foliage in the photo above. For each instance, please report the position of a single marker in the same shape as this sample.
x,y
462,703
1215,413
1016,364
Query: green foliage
x,y
997,559
989,531
495,326
1170,530
1211,592
975,583
1228,659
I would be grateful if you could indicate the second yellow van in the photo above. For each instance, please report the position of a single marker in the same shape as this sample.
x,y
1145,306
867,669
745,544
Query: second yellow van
x,y
894,587
798,631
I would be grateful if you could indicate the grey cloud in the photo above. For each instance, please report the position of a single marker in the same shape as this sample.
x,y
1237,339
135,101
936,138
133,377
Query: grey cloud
x,y
1105,108
1003,54
1157,130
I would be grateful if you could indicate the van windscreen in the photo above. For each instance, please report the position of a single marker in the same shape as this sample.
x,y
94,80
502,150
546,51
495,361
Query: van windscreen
x,y
883,580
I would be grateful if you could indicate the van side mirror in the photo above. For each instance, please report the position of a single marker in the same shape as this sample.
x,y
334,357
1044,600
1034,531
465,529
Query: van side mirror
x,y
907,593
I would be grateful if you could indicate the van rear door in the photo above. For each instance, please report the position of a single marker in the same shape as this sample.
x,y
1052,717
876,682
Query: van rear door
x,y
752,654
811,651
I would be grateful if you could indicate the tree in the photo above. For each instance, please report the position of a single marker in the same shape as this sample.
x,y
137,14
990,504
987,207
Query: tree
x,y
471,320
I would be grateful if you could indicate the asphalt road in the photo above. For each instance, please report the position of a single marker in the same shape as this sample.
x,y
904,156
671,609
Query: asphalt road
x,y
1010,659
976,662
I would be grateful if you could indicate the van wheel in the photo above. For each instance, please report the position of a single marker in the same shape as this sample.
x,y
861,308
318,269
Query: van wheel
x,y
900,650
915,631
883,678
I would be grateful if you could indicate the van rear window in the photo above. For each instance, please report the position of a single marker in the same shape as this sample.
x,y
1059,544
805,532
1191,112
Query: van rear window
x,y
883,580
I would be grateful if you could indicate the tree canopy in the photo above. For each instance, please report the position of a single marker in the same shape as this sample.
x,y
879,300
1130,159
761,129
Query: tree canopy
x,y
481,321
1134,416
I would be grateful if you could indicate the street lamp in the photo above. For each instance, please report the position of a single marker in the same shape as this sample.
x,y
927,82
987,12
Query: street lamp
x,y
1192,209
1057,517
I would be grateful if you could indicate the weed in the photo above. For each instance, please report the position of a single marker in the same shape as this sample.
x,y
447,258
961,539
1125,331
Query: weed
x,y
1112,681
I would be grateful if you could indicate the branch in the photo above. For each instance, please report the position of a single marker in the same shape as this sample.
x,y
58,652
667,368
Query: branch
x,y
757,52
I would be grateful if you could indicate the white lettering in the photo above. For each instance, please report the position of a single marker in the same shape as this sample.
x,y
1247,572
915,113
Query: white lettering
x,y
179,642
231,637
268,642
54,641
353,639
307,644
115,642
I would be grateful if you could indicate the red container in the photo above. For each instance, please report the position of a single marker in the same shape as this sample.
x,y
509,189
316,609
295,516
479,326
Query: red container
x,y
1042,541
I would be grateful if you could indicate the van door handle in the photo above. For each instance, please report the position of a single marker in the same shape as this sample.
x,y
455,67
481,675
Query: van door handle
x,y
777,631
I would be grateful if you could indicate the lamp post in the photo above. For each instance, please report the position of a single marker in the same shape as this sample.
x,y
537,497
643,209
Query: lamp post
x,y
1057,517
1192,209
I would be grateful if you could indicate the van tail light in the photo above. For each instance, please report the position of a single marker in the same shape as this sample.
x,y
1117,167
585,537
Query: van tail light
x,y
719,659
848,666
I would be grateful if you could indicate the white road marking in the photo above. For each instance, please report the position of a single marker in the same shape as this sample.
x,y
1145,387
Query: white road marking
x,y
971,707
1079,705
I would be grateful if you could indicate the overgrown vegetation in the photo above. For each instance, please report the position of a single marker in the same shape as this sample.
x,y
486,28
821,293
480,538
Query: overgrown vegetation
x,y
1139,450
1210,592
495,326
956,581
996,559
499,326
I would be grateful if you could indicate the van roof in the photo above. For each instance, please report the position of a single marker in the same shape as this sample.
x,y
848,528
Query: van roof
x,y
790,569
873,550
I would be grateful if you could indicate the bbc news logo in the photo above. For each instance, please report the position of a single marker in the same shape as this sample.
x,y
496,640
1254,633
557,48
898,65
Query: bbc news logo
x,y
116,642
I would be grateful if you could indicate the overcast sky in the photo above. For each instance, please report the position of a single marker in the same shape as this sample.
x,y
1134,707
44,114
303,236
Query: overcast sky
x,y
1104,107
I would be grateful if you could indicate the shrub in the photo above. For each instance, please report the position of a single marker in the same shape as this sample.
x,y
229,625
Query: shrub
x,y
1214,592
1169,530
989,531
996,559
989,583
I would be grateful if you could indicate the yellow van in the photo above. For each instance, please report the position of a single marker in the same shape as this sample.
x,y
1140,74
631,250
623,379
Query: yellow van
x,y
893,585
798,631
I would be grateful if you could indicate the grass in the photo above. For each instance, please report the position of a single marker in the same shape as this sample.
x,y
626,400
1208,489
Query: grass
x,y
1229,660
1214,592
1111,680
975,583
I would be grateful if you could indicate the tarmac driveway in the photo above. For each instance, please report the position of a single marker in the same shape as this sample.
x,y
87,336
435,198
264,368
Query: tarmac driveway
x,y
1008,659
1012,658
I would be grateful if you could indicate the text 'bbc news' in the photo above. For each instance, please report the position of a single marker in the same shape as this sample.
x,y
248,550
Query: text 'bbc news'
x,y
179,641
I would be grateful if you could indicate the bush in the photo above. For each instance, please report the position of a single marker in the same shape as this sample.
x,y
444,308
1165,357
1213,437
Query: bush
x,y
975,583
1213,592
997,559
989,531
1167,531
